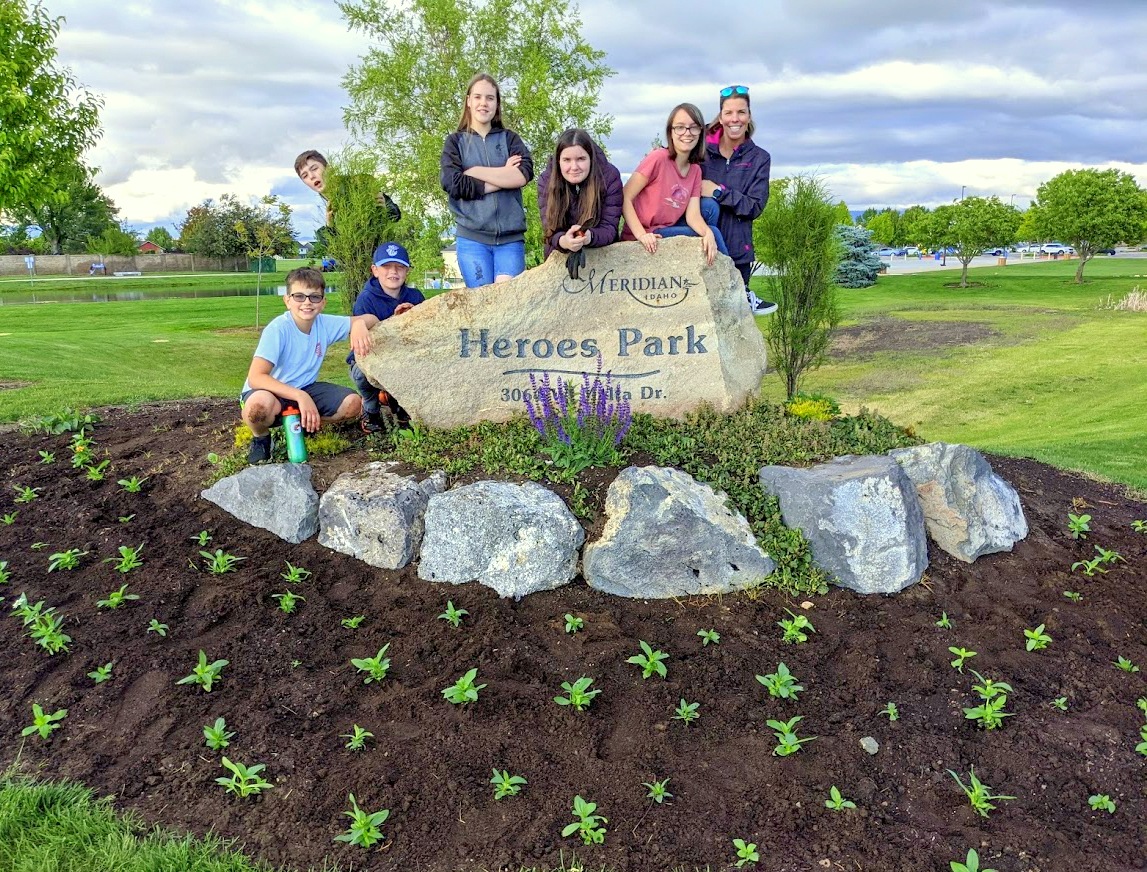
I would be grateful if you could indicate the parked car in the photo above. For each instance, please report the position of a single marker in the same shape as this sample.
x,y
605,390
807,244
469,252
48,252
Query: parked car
x,y
1108,251
886,252
1027,248
1056,248
995,252
912,251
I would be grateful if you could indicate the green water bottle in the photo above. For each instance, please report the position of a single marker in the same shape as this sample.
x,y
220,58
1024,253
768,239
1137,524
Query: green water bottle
x,y
293,429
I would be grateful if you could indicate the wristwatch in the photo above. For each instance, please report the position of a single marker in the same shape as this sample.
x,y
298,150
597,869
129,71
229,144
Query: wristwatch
x,y
719,193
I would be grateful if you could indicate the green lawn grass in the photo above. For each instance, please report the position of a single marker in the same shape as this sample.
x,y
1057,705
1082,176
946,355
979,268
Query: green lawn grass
x,y
1061,381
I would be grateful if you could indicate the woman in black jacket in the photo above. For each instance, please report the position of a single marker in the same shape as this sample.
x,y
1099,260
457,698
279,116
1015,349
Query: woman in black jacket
x,y
579,195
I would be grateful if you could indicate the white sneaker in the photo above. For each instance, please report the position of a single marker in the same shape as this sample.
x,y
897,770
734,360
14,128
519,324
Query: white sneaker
x,y
759,306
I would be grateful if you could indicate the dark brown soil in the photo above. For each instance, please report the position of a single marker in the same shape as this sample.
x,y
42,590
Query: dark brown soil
x,y
899,334
289,691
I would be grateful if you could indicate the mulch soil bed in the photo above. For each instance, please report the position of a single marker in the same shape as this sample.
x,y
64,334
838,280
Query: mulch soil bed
x,y
290,691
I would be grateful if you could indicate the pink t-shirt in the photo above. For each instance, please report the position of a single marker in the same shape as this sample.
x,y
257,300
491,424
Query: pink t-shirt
x,y
663,201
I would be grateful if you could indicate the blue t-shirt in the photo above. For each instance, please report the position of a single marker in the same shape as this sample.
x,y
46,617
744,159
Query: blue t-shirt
x,y
373,300
296,356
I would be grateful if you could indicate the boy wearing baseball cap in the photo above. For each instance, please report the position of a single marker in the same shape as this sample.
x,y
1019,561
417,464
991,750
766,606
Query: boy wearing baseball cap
x,y
384,294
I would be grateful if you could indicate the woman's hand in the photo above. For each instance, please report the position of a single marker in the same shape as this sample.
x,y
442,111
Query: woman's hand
x,y
574,239
649,240
708,187
709,247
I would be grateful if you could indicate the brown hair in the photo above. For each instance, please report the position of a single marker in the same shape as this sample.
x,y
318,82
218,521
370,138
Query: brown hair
x,y
697,155
307,276
307,156
561,192
496,121
715,125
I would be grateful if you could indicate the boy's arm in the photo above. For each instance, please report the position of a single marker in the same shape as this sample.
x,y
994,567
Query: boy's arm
x,y
360,327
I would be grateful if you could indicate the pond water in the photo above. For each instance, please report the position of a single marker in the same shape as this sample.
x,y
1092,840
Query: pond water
x,y
102,293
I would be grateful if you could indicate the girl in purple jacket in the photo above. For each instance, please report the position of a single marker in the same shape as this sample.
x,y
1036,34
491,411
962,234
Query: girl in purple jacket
x,y
579,195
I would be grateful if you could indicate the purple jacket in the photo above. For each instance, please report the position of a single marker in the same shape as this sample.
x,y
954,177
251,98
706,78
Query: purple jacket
x,y
605,232
745,176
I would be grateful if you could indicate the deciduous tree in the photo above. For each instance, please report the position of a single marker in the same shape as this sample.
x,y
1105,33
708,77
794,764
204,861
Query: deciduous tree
x,y
226,228
1090,209
78,211
162,237
47,120
973,225
406,93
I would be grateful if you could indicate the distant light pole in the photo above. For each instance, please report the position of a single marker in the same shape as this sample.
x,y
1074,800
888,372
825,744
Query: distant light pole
x,y
1011,200
962,189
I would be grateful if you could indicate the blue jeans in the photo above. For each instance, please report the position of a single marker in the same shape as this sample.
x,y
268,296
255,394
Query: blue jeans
x,y
709,212
481,264
366,390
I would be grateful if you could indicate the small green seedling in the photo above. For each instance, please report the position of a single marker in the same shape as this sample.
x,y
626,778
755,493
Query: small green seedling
x,y
288,601
1126,665
452,616
794,627
69,559
117,598
1078,525
1089,567
220,562
102,673
788,742
574,623
962,656
1060,702
1139,526
650,661
353,623
125,519
890,711
1141,704
463,690
588,824
971,864
356,738
128,559
201,538
245,780
216,735
295,574
506,784
25,494
205,674
1141,748
154,626
365,827
375,667
5,573
989,688
47,457
1106,556
781,684
657,790
990,713
96,471
9,519
132,485
746,852
837,802
1037,639
979,794
1073,595
687,712
38,546
709,637
578,694
1101,802
42,723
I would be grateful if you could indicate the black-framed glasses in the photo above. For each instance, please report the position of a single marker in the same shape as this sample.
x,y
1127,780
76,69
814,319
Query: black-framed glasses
x,y
739,90
314,298
682,129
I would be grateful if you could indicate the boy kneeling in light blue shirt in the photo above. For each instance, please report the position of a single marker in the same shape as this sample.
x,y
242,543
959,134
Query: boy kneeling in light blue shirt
x,y
285,368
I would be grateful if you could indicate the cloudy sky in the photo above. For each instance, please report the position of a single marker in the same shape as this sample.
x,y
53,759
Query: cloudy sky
x,y
892,102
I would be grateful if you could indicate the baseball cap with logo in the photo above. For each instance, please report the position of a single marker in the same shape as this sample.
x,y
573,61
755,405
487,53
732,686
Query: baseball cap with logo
x,y
391,252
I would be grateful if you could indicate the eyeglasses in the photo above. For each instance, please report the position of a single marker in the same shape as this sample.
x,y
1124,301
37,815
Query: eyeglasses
x,y
314,298
681,129
740,90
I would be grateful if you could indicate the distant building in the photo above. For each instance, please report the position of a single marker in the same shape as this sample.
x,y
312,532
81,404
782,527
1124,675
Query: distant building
x,y
149,247
305,249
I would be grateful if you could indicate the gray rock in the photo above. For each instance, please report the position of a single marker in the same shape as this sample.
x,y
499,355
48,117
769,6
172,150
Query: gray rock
x,y
277,497
668,535
861,518
869,744
375,515
517,539
969,511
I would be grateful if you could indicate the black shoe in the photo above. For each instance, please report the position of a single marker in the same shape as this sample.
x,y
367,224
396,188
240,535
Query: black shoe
x,y
371,423
260,451
401,416
759,306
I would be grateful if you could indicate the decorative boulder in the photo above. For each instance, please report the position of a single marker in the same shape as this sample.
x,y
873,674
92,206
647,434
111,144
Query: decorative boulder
x,y
277,497
673,334
517,539
861,518
969,511
667,536
375,515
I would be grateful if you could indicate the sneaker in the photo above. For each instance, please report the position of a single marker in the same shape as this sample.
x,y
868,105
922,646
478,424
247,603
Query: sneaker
x,y
260,451
759,306
371,423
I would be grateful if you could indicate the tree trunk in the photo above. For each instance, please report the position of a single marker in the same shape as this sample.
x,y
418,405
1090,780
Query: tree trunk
x,y
1079,270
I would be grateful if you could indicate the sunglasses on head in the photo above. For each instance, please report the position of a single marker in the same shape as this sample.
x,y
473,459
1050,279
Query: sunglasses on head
x,y
740,90
314,298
